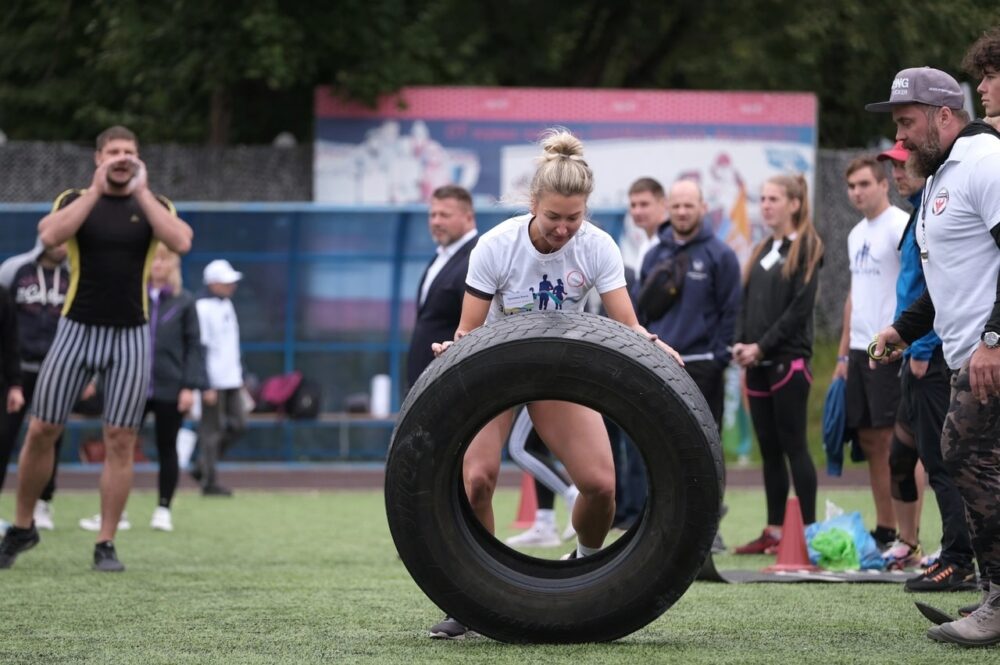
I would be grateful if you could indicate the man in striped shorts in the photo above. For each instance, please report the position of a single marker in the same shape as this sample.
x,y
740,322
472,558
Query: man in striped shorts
x,y
111,230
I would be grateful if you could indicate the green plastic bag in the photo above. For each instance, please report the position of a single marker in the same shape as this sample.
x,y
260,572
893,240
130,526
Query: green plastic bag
x,y
836,550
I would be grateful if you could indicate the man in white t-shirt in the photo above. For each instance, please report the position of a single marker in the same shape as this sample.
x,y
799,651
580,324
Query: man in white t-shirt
x,y
872,394
958,233
222,415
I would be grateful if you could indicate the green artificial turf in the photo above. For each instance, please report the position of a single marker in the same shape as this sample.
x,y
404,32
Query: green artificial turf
x,y
314,578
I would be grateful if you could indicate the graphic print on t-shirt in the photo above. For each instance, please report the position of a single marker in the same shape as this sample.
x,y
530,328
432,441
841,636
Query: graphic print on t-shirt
x,y
865,262
532,300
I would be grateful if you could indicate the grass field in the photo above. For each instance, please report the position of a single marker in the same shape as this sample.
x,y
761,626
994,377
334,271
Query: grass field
x,y
313,578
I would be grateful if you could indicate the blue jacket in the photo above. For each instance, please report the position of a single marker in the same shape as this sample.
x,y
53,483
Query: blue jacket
x,y
910,284
703,319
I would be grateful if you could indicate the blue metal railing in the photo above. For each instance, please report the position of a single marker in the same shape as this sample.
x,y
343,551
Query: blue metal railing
x,y
280,247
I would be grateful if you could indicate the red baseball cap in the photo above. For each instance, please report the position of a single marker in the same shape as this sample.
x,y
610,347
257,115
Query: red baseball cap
x,y
896,153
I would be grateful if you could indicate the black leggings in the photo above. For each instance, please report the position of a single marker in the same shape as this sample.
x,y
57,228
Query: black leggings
x,y
779,396
168,423
10,427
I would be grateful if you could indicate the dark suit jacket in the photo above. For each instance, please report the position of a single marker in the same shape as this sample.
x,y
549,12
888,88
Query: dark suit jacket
x,y
438,316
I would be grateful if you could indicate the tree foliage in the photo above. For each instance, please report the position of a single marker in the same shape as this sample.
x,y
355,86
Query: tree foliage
x,y
244,70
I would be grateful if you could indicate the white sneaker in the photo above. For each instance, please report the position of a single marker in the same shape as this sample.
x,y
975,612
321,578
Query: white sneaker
x,y
161,519
539,535
43,515
94,523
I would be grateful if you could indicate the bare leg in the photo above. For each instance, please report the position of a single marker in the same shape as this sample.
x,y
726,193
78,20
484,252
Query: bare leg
x,y
577,436
876,444
116,477
34,468
481,467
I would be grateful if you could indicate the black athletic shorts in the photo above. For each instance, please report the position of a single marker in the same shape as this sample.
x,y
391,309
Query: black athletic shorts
x,y
872,394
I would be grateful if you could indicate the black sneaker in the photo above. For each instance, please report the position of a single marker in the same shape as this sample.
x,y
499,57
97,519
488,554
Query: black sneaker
x,y
449,629
15,541
570,556
216,490
942,577
884,537
105,559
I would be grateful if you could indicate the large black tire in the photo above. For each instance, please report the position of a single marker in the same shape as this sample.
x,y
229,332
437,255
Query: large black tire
x,y
510,596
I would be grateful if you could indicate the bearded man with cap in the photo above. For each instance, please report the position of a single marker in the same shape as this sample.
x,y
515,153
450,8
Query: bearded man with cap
x,y
222,414
958,233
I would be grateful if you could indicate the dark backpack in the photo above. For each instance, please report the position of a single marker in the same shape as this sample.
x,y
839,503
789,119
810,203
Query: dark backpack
x,y
662,287
305,401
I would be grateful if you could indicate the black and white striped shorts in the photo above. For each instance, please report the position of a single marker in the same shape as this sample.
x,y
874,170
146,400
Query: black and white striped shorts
x,y
79,353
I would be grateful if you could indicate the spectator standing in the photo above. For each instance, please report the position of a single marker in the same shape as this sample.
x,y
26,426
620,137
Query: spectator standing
x,y
700,320
872,394
774,342
222,412
178,369
37,281
452,223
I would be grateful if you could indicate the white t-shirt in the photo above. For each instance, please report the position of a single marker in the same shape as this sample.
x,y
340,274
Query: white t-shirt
x,y
522,279
873,250
962,204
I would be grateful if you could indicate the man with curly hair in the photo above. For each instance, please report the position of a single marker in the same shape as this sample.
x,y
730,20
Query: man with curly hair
x,y
983,62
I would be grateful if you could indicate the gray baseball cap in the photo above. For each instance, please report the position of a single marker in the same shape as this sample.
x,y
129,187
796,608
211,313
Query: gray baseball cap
x,y
922,85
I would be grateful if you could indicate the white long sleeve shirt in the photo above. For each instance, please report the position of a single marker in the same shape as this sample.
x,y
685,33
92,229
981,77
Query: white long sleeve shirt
x,y
220,335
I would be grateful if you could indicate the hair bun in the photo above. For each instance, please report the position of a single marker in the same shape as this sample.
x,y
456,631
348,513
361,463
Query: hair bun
x,y
559,142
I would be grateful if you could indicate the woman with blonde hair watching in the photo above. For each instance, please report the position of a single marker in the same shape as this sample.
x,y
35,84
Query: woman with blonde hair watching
x,y
178,369
554,241
774,340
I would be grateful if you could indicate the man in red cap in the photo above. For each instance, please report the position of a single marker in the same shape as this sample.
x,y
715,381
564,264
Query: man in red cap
x,y
925,391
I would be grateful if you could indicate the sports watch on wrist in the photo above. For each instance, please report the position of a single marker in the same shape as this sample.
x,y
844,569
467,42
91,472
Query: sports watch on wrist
x,y
990,339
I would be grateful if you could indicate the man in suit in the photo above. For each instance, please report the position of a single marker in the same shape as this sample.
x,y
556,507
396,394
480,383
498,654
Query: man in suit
x,y
452,224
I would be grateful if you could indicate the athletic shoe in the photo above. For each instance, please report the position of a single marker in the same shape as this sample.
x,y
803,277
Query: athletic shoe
x,y
539,535
43,515
902,555
449,629
161,519
931,558
570,555
94,523
718,547
105,559
4,525
884,538
15,541
939,577
981,628
766,543
216,490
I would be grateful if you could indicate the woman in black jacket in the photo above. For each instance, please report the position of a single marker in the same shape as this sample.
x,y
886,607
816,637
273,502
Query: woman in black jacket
x,y
774,336
178,369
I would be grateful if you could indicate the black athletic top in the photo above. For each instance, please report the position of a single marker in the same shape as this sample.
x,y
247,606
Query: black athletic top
x,y
110,257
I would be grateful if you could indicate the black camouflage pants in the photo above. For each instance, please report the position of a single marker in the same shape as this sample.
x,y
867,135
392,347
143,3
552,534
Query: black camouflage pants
x,y
970,444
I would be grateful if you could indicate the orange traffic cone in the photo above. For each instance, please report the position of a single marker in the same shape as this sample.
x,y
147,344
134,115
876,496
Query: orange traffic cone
x,y
528,504
792,553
